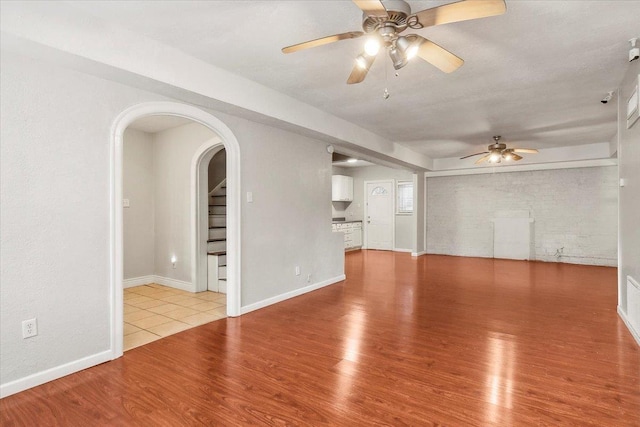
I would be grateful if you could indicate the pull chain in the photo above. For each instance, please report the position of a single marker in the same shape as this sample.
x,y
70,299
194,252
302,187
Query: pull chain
x,y
385,94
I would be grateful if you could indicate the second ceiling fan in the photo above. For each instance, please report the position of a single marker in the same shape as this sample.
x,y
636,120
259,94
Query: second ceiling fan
x,y
498,151
383,21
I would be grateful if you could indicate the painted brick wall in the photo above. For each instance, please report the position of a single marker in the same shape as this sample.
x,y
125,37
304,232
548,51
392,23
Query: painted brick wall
x,y
574,211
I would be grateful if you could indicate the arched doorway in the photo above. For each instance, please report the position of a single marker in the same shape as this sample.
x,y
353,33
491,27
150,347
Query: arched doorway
x,y
198,206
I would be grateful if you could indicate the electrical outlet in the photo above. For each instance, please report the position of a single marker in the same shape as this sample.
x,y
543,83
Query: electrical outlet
x,y
297,270
29,328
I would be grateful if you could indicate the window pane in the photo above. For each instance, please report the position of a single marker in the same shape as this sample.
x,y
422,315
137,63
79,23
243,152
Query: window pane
x,y
378,191
405,197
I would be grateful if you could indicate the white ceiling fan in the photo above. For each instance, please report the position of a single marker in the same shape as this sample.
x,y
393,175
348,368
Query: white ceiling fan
x,y
384,20
498,151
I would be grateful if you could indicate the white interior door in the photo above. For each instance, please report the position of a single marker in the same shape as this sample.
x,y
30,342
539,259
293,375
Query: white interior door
x,y
379,215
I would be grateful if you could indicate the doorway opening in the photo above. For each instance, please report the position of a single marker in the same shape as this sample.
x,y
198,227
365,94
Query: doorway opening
x,y
180,217
217,238
159,297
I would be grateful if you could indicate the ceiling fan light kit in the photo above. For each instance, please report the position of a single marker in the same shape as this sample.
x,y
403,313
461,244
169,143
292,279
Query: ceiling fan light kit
x,y
383,21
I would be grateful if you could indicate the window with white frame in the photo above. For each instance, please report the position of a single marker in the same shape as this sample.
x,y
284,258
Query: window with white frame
x,y
405,197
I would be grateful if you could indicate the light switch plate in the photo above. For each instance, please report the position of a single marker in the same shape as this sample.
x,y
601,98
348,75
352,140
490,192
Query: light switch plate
x,y
249,197
125,203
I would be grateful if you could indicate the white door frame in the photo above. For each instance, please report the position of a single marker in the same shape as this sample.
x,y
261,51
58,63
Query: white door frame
x,y
230,143
365,224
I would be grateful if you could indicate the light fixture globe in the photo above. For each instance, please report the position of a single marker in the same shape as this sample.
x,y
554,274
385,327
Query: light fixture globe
x,y
408,47
372,46
508,155
398,58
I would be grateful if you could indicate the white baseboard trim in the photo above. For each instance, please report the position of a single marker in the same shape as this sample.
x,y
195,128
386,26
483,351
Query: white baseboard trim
x,y
401,250
624,318
297,292
39,378
417,254
138,281
165,281
174,283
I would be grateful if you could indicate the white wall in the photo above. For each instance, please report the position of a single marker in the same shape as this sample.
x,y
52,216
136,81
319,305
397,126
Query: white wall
x,y
289,221
405,224
420,210
157,181
54,212
173,151
217,169
572,208
138,219
629,168
55,222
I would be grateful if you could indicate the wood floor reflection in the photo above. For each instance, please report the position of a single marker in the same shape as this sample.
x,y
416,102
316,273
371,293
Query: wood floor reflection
x,y
422,341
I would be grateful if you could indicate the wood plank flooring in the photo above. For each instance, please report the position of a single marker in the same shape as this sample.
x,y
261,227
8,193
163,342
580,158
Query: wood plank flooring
x,y
427,341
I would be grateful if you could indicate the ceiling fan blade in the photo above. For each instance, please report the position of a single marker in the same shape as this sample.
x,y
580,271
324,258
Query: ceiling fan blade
x,y
321,41
372,8
359,73
482,159
515,157
471,155
461,11
525,150
438,56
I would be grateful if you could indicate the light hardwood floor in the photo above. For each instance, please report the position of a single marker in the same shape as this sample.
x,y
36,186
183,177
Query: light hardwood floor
x,y
426,341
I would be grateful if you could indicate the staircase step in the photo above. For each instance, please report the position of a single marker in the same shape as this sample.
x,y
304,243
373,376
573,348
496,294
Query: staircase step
x,y
222,286
222,191
217,220
217,232
216,245
222,272
217,200
217,210
218,253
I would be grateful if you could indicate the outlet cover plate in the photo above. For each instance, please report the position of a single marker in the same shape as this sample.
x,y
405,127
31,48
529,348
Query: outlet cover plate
x,y
29,328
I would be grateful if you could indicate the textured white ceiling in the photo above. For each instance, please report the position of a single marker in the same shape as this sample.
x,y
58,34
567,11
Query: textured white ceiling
x,y
534,75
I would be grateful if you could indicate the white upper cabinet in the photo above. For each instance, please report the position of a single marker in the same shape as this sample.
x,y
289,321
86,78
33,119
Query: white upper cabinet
x,y
341,188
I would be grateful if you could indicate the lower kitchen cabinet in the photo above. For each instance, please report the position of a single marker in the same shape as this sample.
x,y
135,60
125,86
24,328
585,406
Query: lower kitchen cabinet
x,y
352,233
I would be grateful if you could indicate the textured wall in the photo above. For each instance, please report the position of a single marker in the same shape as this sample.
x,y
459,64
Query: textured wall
x,y
55,212
629,161
217,169
574,209
138,220
288,223
173,151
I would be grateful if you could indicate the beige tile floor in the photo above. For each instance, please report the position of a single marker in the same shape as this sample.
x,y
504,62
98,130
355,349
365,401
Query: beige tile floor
x,y
154,311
